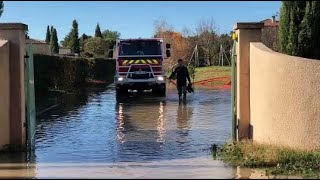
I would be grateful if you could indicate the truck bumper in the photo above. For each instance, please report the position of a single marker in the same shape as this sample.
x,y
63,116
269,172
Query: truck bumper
x,y
140,84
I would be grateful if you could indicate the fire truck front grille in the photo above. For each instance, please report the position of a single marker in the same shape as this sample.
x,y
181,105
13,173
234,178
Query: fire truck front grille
x,y
141,76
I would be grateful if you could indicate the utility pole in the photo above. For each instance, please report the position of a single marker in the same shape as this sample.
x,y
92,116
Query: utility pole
x,y
196,55
223,56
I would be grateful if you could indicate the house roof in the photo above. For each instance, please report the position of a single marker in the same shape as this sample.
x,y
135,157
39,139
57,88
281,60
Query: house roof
x,y
35,41
269,22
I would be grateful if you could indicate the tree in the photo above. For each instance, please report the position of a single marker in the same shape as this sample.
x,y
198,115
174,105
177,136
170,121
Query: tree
x,y
71,40
315,29
96,46
48,35
225,41
300,34
98,31
1,7
162,29
110,37
161,26
82,40
305,34
284,25
296,16
292,14
74,38
207,38
51,29
66,41
179,46
54,46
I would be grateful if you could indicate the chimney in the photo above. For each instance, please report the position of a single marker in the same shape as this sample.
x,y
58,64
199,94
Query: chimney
x,y
273,19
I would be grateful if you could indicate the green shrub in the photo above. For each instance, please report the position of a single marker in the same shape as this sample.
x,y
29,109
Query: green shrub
x,y
69,73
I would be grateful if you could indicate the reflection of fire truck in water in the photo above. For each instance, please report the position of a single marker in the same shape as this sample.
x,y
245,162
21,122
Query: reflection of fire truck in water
x,y
139,65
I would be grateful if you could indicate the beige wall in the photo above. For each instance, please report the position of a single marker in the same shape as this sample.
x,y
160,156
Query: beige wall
x,y
4,94
15,34
41,49
284,98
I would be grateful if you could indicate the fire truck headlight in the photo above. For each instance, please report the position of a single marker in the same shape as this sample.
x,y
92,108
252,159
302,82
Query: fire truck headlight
x,y
160,78
120,78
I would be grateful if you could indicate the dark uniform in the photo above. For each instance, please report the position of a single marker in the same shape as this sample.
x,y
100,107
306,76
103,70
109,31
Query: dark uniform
x,y
182,75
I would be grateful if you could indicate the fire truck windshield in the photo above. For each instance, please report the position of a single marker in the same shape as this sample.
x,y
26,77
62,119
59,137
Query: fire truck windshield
x,y
140,47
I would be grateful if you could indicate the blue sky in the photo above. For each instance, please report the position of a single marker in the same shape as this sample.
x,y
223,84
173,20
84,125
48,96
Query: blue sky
x,y
132,19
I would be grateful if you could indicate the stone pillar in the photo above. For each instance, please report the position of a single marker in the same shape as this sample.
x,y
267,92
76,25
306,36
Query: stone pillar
x,y
246,33
15,33
4,93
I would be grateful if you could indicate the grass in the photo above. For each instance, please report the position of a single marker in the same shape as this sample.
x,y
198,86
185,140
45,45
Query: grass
x,y
203,73
276,160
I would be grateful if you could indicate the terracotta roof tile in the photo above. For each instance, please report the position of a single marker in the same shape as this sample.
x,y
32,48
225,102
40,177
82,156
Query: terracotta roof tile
x,y
36,41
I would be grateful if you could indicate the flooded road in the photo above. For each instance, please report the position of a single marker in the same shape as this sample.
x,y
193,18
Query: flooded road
x,y
97,134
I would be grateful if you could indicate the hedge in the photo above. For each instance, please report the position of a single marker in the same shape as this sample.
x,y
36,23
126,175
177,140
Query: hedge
x,y
69,73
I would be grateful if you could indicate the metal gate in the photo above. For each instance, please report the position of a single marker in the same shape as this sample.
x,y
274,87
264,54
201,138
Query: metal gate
x,y
30,98
234,88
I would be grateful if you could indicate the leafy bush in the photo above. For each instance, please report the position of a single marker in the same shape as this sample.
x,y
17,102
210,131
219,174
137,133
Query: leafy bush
x,y
69,73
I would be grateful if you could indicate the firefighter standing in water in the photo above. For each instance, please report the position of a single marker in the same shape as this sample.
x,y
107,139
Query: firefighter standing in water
x,y
182,75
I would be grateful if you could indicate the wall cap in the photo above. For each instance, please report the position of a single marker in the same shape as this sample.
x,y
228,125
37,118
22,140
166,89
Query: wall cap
x,y
248,25
3,42
13,26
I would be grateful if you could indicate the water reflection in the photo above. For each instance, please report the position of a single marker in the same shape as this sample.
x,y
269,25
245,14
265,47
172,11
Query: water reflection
x,y
120,128
17,165
160,124
184,114
140,113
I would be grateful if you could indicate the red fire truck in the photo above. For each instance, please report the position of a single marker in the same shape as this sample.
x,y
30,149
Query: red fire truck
x,y
139,65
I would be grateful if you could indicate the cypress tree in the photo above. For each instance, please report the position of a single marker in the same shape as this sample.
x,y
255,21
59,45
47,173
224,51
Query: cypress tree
x,y
54,46
1,8
305,34
74,38
299,32
315,30
296,15
284,25
98,31
48,35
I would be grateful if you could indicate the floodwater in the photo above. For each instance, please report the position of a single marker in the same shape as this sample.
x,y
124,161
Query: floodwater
x,y
99,135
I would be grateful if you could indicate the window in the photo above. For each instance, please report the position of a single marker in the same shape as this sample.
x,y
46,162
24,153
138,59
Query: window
x,y
140,47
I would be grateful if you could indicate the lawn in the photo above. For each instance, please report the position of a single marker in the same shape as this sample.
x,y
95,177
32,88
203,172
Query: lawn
x,y
203,73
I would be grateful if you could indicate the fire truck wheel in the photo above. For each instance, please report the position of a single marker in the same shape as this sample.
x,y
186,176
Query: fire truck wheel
x,y
159,91
121,91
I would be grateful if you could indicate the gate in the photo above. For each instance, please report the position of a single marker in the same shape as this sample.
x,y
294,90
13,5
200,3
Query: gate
x,y
234,88
30,98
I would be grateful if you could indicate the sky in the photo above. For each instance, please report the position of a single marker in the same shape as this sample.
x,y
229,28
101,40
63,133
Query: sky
x,y
133,19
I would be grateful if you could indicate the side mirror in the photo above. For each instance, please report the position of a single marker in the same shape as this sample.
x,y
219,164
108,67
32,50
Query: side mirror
x,y
168,53
168,46
110,53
